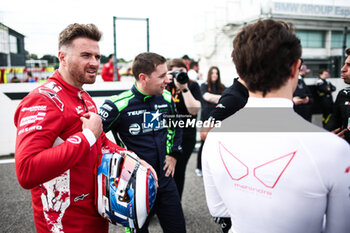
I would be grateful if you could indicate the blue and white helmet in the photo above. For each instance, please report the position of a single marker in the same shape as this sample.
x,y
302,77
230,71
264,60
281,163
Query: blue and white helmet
x,y
126,190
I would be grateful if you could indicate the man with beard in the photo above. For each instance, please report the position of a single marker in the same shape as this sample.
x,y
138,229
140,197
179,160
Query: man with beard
x,y
59,137
340,120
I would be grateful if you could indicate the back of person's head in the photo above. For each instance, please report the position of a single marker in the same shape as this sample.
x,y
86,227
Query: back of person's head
x,y
185,57
193,64
110,56
146,63
76,30
30,74
176,63
263,54
347,51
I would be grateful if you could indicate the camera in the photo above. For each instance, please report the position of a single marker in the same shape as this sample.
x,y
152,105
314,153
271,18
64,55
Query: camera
x,y
181,77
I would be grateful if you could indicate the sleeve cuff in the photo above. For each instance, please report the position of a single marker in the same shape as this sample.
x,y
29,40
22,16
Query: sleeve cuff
x,y
176,154
89,135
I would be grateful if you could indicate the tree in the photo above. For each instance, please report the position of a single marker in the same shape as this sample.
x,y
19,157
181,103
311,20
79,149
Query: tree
x,y
50,58
33,56
121,60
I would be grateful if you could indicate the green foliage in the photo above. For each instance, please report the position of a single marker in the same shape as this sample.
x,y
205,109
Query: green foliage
x,y
51,59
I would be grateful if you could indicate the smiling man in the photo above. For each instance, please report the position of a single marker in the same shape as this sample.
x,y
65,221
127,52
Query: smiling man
x,y
136,119
59,136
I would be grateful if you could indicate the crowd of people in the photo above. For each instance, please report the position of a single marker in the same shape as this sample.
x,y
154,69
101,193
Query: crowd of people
x,y
29,78
265,167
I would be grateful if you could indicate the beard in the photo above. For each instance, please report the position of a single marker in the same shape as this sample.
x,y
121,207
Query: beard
x,y
81,75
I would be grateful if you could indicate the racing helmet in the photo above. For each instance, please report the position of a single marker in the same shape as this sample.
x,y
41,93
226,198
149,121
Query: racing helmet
x,y
126,190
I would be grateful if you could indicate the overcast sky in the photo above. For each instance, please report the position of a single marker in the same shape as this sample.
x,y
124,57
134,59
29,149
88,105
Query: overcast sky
x,y
173,24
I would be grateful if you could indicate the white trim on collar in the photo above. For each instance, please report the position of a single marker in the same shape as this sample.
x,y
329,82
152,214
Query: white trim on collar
x,y
269,102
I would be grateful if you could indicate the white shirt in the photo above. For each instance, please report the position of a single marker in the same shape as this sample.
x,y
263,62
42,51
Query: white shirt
x,y
273,172
192,74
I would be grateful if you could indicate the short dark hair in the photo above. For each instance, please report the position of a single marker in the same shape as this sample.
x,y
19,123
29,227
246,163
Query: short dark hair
x,y
347,51
193,64
146,63
263,54
186,57
75,30
110,56
322,70
176,62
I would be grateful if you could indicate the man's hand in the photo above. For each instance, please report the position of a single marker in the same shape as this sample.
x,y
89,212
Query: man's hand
x,y
297,100
306,100
93,122
339,132
204,132
169,166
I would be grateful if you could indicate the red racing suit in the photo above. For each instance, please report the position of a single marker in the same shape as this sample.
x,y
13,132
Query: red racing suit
x,y
107,72
56,160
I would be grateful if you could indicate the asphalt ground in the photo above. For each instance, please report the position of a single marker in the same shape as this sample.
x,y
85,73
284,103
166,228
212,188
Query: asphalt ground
x,y
16,208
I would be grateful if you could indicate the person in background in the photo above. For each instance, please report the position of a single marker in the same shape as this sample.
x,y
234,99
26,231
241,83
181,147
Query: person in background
x,y
324,90
340,119
187,60
232,99
15,79
193,72
107,72
267,168
211,92
29,78
136,118
187,99
302,97
59,138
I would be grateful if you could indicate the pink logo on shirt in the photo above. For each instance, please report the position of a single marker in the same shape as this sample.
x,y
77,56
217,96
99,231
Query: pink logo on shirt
x,y
268,173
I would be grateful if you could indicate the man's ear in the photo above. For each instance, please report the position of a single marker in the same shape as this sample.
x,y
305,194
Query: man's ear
x,y
142,77
295,69
62,57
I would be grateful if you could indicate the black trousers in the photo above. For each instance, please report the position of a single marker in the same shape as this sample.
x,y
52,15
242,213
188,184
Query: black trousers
x,y
199,156
188,143
168,208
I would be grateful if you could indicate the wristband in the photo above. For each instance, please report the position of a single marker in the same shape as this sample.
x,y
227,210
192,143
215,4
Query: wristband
x,y
89,135
185,90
